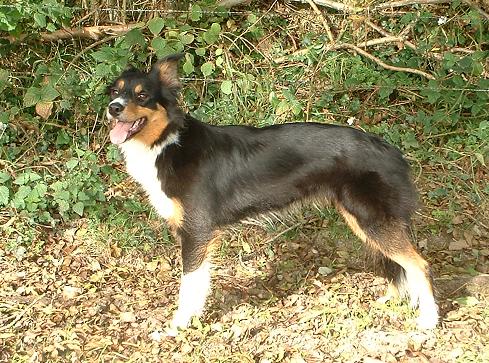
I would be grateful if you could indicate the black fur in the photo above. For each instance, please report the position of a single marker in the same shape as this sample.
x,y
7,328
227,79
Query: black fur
x,y
222,174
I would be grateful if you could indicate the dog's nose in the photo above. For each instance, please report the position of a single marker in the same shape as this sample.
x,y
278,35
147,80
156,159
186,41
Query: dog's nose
x,y
115,109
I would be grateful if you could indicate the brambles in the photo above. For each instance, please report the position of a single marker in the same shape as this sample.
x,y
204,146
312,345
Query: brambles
x,y
53,94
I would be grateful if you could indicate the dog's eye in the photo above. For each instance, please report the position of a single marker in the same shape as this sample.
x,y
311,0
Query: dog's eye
x,y
141,97
114,92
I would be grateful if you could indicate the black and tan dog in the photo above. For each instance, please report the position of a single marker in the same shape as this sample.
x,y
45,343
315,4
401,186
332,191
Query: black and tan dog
x,y
201,177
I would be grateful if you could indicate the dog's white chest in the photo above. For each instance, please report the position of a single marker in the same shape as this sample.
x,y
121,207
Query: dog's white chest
x,y
140,164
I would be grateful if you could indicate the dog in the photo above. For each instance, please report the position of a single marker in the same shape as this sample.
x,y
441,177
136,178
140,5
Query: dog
x,y
201,178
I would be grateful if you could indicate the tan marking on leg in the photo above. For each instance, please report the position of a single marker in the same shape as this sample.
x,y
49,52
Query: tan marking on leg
x,y
418,283
175,221
353,223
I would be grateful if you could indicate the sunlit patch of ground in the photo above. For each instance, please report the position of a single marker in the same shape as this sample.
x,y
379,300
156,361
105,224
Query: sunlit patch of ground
x,y
303,296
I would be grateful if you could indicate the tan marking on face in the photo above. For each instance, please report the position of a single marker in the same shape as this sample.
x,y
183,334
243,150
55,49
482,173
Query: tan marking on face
x,y
176,220
120,84
138,88
156,122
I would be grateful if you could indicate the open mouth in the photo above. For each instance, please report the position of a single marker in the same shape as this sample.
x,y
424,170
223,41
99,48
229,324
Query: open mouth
x,y
124,130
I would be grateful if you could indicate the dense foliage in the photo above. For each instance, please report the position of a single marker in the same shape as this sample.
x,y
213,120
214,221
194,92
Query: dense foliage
x,y
57,165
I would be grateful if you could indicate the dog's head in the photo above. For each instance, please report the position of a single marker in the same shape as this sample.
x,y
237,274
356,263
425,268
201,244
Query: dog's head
x,y
143,106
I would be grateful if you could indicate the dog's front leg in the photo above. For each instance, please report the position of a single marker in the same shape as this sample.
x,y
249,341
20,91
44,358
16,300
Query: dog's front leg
x,y
195,281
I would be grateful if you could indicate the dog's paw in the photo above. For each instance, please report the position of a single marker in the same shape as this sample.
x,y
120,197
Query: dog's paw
x,y
171,331
428,317
180,321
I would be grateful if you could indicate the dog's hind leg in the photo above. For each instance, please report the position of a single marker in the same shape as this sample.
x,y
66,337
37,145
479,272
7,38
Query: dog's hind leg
x,y
406,269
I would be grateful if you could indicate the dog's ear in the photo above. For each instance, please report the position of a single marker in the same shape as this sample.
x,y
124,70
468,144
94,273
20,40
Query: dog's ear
x,y
166,70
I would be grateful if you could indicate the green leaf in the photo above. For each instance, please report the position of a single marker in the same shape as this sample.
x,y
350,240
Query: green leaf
x,y
63,205
188,67
32,96
186,38
4,195
71,164
40,20
160,47
467,300
207,68
51,27
26,177
227,87
200,52
49,93
195,12
156,25
4,74
212,35
105,54
215,28
78,208
40,189
18,200
133,37
9,19
4,177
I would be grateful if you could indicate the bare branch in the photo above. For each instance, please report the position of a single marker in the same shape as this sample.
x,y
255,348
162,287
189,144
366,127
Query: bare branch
x,y
381,63
230,3
363,53
87,32
336,6
398,4
385,33
323,18
377,41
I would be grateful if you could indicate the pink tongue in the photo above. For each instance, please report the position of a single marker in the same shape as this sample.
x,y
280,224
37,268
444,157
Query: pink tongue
x,y
120,131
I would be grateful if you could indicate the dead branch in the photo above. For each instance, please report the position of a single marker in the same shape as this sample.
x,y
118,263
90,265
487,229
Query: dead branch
x,y
479,10
382,64
231,3
398,4
323,18
377,41
336,6
363,53
385,33
87,32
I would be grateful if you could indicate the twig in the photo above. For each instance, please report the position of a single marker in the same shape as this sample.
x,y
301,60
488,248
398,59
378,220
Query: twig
x,y
323,18
91,46
377,41
19,316
298,224
230,3
87,32
385,33
337,6
382,64
398,4
365,54
479,10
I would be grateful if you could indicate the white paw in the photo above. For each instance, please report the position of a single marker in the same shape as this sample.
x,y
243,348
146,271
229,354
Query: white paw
x,y
428,319
384,299
171,332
